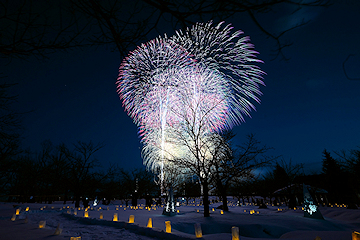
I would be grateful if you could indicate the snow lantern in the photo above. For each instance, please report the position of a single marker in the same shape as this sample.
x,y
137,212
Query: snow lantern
x,y
198,232
235,233
42,224
149,225
168,226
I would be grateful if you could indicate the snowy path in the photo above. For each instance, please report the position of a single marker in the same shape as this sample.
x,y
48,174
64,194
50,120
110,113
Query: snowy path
x,y
263,224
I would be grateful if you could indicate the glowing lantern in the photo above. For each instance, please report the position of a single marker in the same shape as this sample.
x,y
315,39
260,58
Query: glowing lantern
x,y
101,215
149,224
131,219
168,226
198,232
42,224
221,212
86,214
75,212
117,209
355,235
197,210
13,218
58,230
235,233
213,210
177,211
115,218
27,209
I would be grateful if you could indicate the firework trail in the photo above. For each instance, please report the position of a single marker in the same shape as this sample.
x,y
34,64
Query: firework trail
x,y
201,97
205,74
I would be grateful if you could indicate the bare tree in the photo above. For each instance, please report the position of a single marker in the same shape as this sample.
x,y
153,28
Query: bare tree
x,y
37,28
121,27
283,178
82,162
136,184
10,129
350,165
195,144
237,163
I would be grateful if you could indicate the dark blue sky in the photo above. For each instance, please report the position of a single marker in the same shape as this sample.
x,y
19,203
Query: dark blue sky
x,y
308,103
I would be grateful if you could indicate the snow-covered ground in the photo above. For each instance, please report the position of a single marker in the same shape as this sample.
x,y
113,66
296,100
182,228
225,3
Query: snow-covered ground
x,y
253,223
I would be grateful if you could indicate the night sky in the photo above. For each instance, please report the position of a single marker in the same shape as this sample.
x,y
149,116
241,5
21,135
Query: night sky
x,y
308,104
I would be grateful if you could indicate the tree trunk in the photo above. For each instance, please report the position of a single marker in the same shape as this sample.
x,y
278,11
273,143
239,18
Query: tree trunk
x,y
224,199
206,198
65,196
77,200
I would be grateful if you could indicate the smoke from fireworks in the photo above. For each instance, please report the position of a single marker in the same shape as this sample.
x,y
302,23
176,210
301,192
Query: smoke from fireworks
x,y
203,75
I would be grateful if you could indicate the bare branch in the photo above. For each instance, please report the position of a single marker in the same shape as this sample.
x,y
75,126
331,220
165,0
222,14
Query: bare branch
x,y
344,69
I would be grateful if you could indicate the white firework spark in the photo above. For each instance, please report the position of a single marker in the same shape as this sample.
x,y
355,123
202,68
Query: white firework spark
x,y
221,49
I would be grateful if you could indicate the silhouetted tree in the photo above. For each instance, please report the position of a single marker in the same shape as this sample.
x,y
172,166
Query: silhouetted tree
x,y
137,183
351,166
282,179
33,28
121,24
335,179
25,178
189,189
82,162
10,128
242,188
236,163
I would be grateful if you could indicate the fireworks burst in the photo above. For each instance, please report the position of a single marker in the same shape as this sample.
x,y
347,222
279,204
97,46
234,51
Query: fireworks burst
x,y
219,49
204,75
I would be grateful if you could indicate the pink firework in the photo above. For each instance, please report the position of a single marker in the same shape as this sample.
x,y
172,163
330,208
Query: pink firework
x,y
204,75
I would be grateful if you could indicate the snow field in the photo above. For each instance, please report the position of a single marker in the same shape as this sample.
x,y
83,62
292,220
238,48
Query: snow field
x,y
272,223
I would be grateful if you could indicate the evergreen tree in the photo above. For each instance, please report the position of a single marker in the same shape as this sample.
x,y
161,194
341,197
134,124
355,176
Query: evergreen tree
x,y
335,179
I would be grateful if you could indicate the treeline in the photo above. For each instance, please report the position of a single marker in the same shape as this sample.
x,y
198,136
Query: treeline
x,y
74,174
341,176
337,183
70,174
